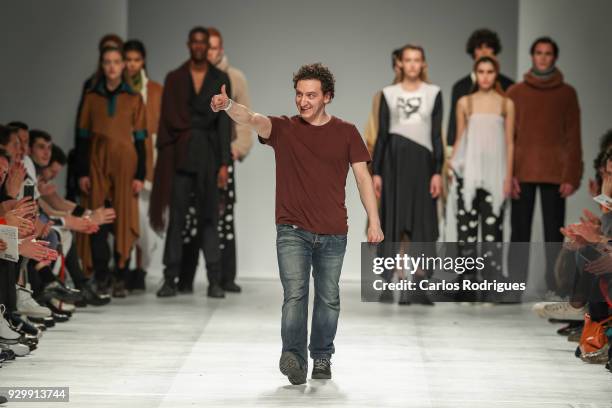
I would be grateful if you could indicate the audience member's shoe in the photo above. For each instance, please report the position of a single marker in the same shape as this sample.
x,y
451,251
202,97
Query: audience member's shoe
x,y
23,327
596,357
570,328
321,369
7,354
30,342
17,349
5,348
290,366
61,292
136,280
119,290
558,310
48,322
93,298
26,305
215,291
39,326
168,289
60,318
3,399
61,307
10,354
232,287
6,332
574,336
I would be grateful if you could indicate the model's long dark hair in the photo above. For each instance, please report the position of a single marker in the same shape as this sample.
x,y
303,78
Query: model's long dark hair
x,y
483,60
99,76
138,46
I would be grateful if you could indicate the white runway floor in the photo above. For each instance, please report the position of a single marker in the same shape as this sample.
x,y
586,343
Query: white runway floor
x,y
191,351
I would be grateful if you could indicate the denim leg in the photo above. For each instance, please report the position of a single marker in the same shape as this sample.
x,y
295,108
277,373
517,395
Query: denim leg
x,y
327,261
294,251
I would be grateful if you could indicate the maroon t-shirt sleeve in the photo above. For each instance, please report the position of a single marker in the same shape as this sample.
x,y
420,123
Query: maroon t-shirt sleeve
x,y
358,152
278,124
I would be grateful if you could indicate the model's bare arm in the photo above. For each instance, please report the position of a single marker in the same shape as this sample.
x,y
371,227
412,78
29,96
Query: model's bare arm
x,y
241,114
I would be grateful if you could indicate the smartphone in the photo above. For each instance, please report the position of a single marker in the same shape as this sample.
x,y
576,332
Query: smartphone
x,y
108,204
28,191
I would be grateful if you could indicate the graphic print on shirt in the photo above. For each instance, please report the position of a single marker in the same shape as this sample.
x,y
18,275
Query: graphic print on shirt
x,y
408,108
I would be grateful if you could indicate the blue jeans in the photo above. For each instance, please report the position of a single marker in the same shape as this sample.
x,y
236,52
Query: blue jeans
x,y
298,251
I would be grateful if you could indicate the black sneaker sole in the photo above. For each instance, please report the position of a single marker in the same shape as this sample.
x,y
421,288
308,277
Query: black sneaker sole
x,y
290,367
321,376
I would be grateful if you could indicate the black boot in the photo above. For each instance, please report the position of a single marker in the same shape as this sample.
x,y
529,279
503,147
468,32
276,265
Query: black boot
x,y
231,287
136,280
168,289
93,298
215,291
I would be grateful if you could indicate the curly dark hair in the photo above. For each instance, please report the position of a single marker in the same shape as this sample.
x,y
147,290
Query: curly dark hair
x,y
319,72
483,36
605,154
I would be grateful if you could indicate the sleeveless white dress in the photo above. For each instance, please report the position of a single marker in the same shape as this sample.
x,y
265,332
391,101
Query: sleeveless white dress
x,y
481,158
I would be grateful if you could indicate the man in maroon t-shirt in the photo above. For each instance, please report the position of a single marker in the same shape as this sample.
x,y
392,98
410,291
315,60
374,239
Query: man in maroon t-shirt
x,y
313,151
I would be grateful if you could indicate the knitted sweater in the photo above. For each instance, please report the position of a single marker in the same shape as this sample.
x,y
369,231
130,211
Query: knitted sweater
x,y
547,146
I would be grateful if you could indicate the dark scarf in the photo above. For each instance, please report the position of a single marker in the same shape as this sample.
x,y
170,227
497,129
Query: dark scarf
x,y
544,75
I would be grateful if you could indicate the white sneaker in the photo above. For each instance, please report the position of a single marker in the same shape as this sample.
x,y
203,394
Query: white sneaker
x,y
558,310
19,349
5,330
26,305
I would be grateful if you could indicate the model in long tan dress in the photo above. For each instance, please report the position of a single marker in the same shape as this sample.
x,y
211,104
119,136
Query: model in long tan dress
x,y
114,123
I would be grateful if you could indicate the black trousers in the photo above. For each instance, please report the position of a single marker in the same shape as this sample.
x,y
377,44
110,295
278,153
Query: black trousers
x,y
8,291
553,214
101,256
74,268
206,240
226,234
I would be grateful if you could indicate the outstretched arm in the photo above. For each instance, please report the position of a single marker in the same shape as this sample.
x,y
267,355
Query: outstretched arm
x,y
241,114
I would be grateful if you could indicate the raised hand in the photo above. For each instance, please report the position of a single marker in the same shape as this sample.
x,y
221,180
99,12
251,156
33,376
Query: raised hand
x,y
16,175
220,101
36,250
24,226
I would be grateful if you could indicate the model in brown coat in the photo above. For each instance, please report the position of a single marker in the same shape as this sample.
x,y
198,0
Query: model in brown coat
x,y
111,163
547,153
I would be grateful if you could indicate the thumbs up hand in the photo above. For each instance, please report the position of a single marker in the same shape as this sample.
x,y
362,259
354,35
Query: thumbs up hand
x,y
220,101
